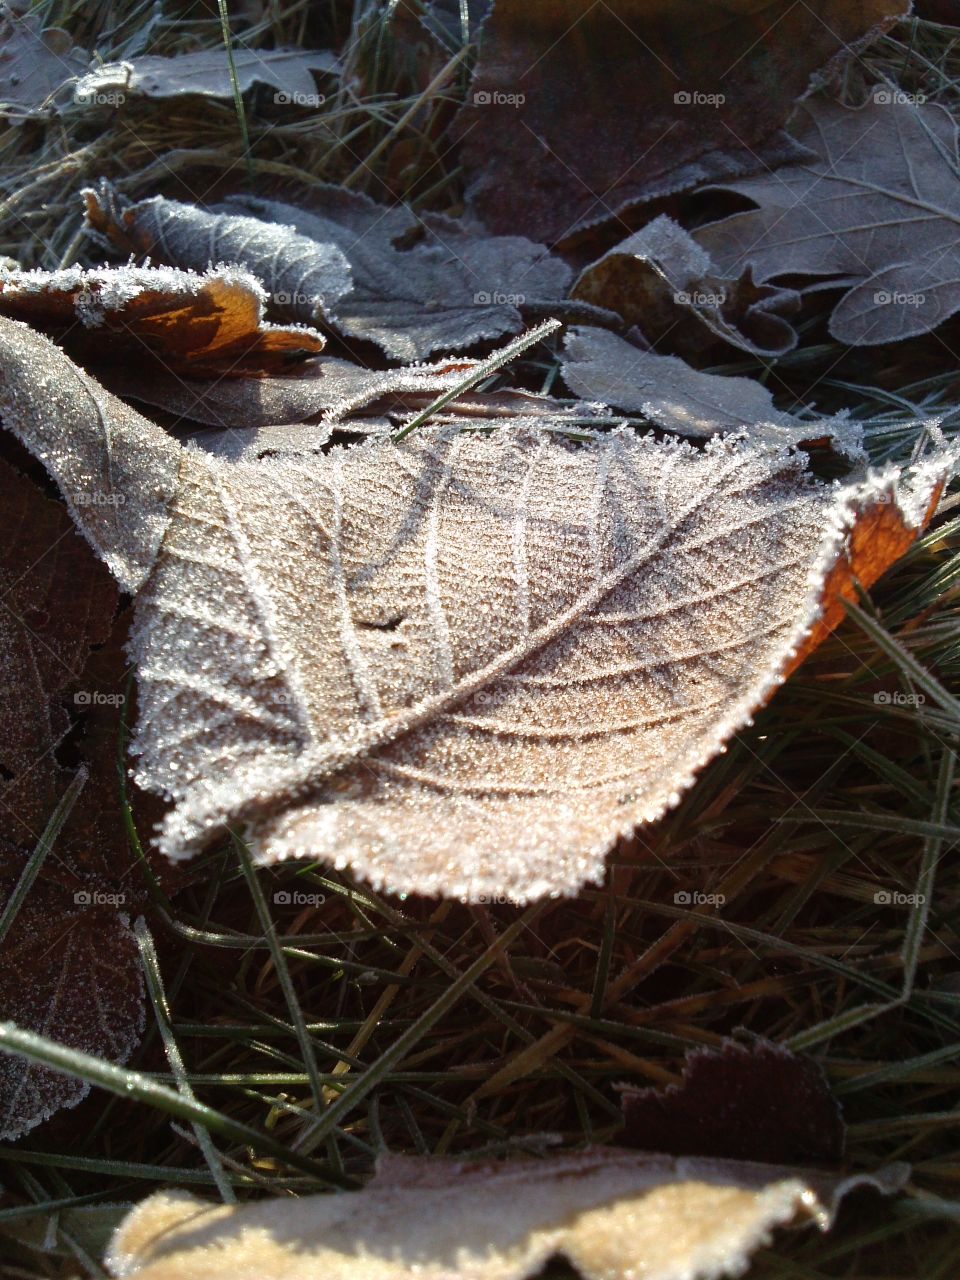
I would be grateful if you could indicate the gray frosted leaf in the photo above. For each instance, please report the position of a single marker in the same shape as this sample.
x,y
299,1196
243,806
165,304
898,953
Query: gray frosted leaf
x,y
207,72
35,62
449,289
612,1214
602,366
466,663
874,213
663,280
302,277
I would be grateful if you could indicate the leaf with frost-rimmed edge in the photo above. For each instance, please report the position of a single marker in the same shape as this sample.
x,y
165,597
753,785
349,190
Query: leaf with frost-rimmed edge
x,y
612,1214
662,280
466,664
207,72
874,213
599,365
185,321
452,287
35,61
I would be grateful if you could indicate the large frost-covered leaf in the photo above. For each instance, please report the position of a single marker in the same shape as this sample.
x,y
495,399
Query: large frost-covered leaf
x,y
35,61
207,72
614,1215
874,211
465,664
413,285
599,365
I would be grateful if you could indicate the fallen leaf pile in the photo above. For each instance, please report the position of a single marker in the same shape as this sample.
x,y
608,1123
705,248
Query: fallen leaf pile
x,y
450,611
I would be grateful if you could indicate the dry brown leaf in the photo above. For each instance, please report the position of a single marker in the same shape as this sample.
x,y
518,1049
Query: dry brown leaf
x,y
599,365
662,280
466,664
207,72
575,111
196,324
35,61
68,964
874,212
413,285
614,1215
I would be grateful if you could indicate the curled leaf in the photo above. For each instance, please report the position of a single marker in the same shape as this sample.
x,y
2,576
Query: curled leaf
x,y
612,1214
467,663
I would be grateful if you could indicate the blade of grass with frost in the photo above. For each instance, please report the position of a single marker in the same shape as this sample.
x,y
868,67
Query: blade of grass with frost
x,y
235,81
134,1084
44,845
483,370
161,1009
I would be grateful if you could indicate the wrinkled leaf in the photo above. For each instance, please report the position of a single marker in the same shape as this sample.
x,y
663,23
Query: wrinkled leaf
x,y
207,72
612,1214
413,285
574,111
874,212
189,322
468,663
35,61
754,1101
661,279
602,366
68,962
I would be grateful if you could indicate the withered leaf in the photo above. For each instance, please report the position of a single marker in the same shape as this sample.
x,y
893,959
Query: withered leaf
x,y
413,285
68,963
465,664
207,72
612,1214
35,61
873,212
662,280
754,1101
182,320
599,365
580,110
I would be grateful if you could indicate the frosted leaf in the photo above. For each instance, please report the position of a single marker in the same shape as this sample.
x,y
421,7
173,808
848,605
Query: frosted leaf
x,y
207,72
327,389
302,278
661,279
184,320
35,61
612,1214
872,211
602,366
450,288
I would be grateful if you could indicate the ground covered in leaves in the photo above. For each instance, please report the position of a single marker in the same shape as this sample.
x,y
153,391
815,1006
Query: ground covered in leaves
x,y
804,892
